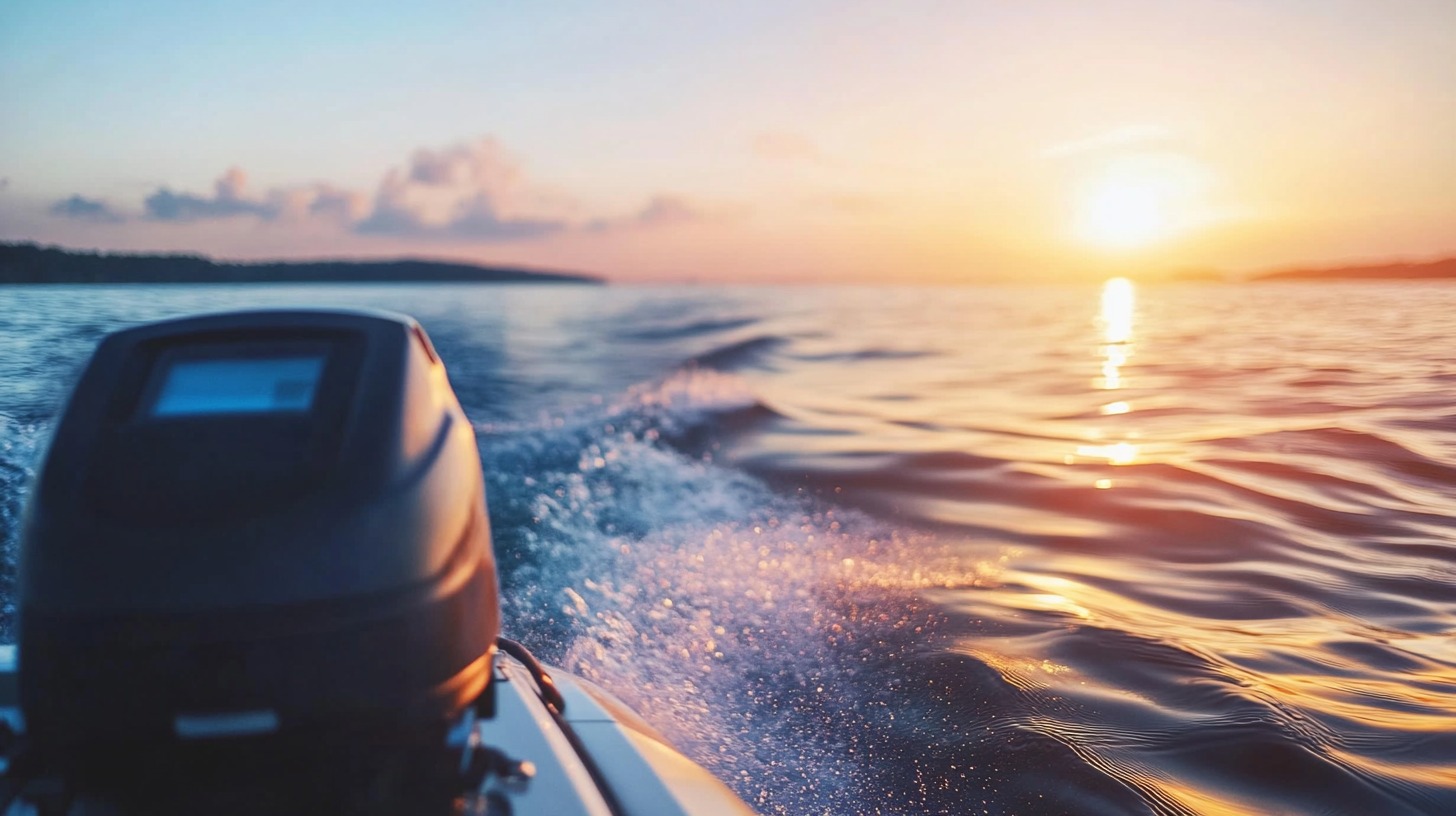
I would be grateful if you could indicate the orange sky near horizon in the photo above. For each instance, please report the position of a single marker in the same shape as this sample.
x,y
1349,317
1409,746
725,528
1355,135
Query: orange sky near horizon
x,y
799,142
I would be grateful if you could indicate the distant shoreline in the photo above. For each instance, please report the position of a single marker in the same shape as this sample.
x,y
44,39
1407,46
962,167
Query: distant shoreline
x,y
29,263
1427,270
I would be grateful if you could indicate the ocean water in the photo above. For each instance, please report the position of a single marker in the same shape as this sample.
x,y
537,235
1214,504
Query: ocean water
x,y
1094,549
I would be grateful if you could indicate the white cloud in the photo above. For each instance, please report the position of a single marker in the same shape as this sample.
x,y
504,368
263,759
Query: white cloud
x,y
472,191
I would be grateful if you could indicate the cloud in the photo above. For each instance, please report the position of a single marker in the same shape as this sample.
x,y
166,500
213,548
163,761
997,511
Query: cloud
x,y
228,201
478,218
4,184
333,203
483,164
165,205
320,201
472,191
667,209
85,209
391,214
474,218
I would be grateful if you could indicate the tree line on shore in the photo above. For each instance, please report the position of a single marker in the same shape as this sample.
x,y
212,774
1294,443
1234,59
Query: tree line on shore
x,y
32,263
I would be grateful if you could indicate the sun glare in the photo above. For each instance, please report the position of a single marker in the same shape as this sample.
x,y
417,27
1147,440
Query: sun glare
x,y
1138,202
1124,214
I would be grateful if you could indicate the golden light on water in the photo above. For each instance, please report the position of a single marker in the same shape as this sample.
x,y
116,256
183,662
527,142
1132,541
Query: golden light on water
x,y
1117,453
1115,320
1112,369
1118,303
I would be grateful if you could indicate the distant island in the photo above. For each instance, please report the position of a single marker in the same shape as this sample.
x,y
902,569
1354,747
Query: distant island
x,y
1393,271
1443,268
32,263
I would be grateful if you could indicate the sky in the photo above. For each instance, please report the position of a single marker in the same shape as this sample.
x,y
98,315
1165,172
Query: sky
x,y
738,142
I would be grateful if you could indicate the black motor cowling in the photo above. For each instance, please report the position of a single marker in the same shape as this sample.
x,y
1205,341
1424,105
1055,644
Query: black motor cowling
x,y
256,522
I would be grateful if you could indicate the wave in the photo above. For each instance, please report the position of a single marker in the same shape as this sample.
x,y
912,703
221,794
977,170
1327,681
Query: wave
x,y
687,329
693,591
19,444
738,617
740,354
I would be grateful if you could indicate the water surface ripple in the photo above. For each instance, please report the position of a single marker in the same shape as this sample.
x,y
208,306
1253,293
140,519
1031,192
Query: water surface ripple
x,y
1180,549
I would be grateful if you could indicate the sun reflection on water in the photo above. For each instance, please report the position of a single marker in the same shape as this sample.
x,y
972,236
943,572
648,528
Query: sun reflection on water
x,y
1117,453
1118,302
1115,321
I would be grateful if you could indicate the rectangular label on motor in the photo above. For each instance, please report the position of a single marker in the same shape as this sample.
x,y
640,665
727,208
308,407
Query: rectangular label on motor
x,y
253,385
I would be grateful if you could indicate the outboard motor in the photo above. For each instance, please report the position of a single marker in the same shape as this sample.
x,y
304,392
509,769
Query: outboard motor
x,y
250,526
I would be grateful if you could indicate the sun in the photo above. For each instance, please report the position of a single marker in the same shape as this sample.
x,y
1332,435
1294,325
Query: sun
x,y
1138,202
1124,214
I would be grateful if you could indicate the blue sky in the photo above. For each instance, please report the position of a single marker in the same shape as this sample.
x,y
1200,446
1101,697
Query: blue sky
x,y
747,141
